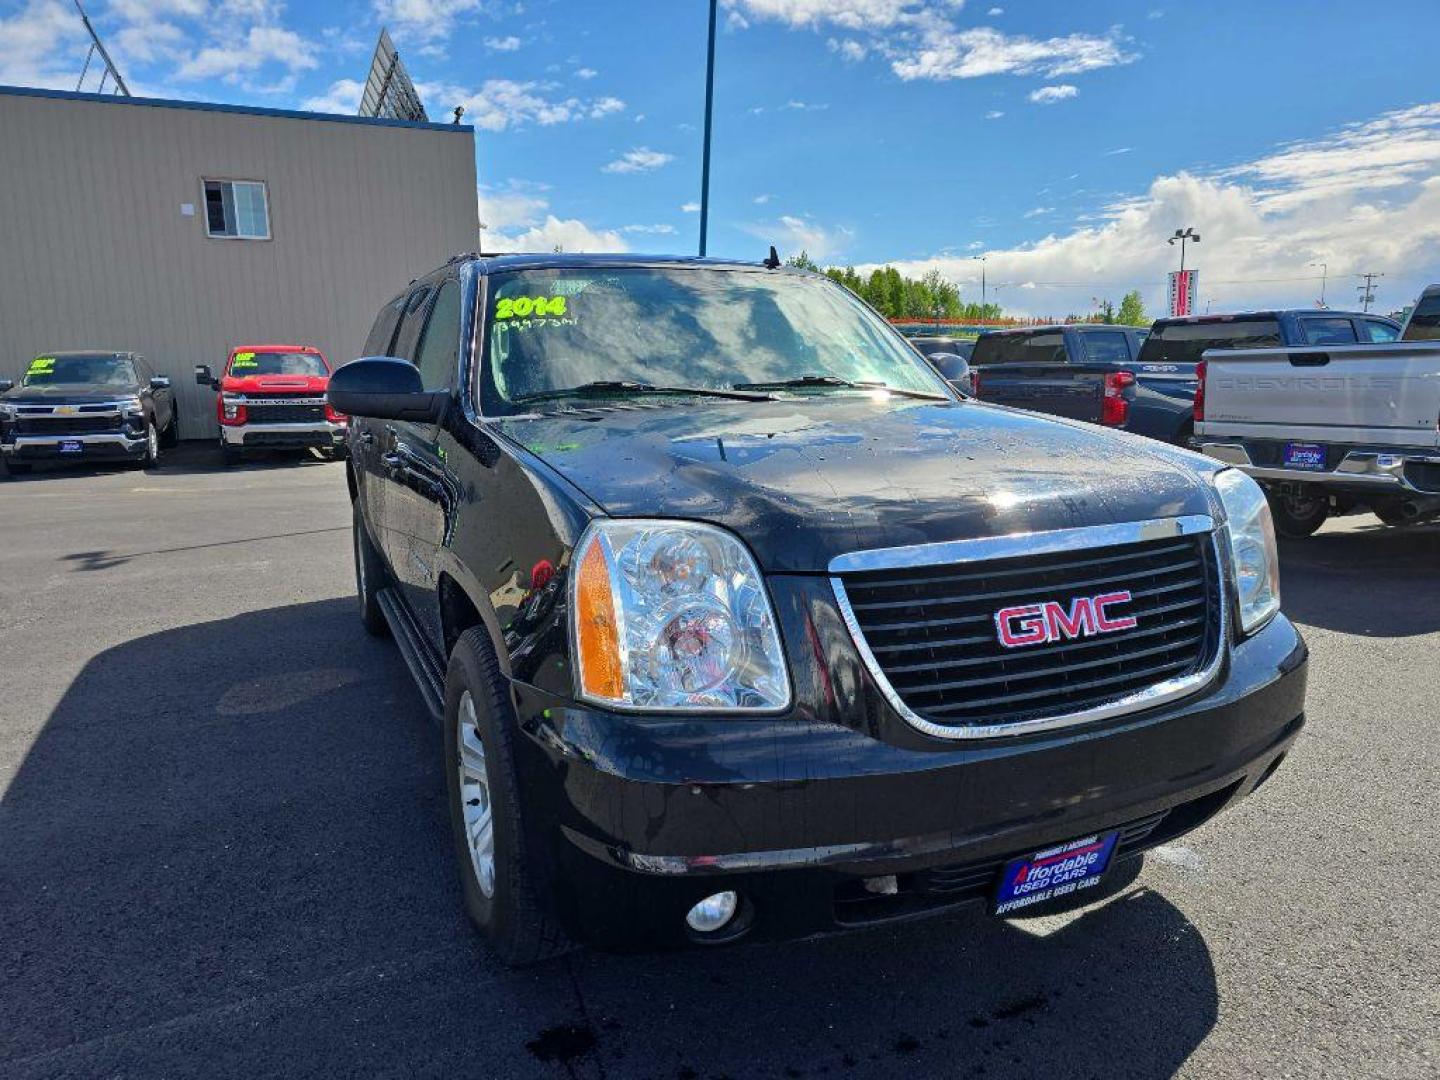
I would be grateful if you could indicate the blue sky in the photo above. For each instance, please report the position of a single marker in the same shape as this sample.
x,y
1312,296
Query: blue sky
x,y
1062,141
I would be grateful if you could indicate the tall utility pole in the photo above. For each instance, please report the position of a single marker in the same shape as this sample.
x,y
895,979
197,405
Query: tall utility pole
x,y
981,260
1367,291
1324,276
709,105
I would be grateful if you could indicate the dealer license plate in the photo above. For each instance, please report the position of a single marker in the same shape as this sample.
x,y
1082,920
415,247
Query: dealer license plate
x,y
71,446
1057,871
1305,455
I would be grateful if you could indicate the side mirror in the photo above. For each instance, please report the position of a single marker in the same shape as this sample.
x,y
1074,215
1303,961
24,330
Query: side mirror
x,y
204,378
6,384
160,382
955,369
384,388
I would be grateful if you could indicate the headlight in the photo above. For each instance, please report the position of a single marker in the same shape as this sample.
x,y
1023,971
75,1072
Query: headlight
x,y
673,615
1253,555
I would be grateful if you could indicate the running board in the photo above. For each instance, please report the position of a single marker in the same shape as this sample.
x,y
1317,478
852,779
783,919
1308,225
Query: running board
x,y
419,657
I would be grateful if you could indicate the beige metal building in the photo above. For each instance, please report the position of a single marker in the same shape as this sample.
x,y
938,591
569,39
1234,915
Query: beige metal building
x,y
178,229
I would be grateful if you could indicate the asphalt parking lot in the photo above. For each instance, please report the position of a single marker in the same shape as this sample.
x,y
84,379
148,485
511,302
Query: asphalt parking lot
x,y
223,848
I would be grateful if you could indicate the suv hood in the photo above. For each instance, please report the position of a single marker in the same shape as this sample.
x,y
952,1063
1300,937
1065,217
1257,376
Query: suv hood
x,y
274,384
804,480
67,393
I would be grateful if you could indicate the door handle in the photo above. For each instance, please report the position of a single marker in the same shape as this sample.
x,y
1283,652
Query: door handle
x,y
1313,359
367,438
392,460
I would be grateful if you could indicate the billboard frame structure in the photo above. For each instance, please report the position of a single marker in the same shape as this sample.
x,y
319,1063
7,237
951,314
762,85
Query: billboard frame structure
x,y
389,94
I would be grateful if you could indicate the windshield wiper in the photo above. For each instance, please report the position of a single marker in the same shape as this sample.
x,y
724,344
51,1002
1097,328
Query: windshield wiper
x,y
616,389
826,382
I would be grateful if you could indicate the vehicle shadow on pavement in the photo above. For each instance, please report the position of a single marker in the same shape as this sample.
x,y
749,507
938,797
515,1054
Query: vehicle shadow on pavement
x,y
226,854
1372,582
188,458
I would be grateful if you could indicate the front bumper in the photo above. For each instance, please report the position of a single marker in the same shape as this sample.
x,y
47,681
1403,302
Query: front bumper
x,y
283,436
642,818
44,447
1360,471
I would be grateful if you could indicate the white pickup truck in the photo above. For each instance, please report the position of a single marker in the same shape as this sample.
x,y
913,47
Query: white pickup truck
x,y
1335,429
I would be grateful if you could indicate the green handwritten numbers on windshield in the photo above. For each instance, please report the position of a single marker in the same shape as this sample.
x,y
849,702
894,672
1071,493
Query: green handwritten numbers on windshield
x,y
522,307
42,365
244,360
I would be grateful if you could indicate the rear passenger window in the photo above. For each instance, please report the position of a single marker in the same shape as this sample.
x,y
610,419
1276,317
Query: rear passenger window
x,y
1047,348
440,348
1328,331
1106,345
383,332
1378,331
410,323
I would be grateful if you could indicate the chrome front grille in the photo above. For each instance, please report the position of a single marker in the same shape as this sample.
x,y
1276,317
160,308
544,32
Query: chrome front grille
x,y
285,410
925,620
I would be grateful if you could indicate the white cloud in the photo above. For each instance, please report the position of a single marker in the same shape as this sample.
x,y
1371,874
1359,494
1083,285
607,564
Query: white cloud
x,y
792,235
735,21
1117,150
994,114
1039,211
503,44
653,230
517,217
238,60
851,14
690,207
1263,222
975,245
423,20
1049,95
947,53
44,45
342,97
761,200
640,159
848,49
586,73
996,11
503,103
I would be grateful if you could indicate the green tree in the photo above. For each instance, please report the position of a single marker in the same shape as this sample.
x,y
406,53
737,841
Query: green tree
x,y
1132,310
803,262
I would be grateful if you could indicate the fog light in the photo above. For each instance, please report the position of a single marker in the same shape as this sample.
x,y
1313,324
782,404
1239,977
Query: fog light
x,y
713,913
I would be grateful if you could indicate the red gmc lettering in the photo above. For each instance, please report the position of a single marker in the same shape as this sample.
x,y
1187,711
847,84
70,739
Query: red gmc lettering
x,y
1036,624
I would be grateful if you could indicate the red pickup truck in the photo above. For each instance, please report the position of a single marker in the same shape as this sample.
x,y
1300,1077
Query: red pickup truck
x,y
273,397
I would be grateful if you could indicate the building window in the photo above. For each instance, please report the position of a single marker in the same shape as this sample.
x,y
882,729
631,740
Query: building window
x,y
238,209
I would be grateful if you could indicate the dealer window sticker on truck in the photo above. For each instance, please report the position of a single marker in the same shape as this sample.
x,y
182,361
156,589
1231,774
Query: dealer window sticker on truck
x,y
42,365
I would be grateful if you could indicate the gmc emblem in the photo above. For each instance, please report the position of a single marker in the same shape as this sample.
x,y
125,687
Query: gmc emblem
x,y
1037,624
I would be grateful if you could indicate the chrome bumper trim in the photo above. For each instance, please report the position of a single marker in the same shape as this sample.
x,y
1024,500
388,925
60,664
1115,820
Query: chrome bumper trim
x,y
107,439
1360,468
235,436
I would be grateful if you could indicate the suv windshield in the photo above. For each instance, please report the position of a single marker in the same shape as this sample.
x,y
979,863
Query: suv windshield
x,y
246,364
1185,343
553,330
100,369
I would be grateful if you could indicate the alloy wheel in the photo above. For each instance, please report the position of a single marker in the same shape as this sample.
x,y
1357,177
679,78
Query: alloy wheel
x,y
475,796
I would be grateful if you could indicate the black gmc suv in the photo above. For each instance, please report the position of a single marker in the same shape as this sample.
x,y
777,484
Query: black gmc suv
x,y
740,623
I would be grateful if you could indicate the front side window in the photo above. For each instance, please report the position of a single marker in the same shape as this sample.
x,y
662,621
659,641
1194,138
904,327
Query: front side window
x,y
1332,331
246,364
91,370
237,209
1377,331
553,330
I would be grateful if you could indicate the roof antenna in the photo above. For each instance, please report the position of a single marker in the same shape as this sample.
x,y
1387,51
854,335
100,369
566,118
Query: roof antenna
x,y
773,262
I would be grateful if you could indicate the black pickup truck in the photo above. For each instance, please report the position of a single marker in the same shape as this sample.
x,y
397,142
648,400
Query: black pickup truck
x,y
92,405
739,622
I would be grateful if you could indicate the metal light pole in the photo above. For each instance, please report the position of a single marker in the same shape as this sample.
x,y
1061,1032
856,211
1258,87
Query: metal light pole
x,y
1182,235
981,259
1324,276
709,105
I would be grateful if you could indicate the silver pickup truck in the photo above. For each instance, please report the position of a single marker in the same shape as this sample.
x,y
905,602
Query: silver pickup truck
x,y
1332,430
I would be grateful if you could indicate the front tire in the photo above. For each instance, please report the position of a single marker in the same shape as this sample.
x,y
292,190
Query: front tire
x,y
151,458
1298,516
497,875
370,578
170,437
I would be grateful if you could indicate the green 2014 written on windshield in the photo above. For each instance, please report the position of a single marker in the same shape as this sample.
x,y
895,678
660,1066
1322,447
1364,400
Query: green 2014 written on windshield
x,y
522,307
